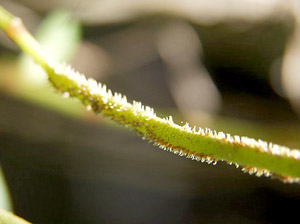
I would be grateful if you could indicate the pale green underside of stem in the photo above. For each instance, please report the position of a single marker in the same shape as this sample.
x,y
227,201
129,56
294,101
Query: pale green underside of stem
x,y
255,157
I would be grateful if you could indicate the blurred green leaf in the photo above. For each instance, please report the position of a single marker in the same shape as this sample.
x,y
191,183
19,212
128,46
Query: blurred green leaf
x,y
59,34
9,218
5,202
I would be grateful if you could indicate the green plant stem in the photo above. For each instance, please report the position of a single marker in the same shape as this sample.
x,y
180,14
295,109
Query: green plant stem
x,y
255,157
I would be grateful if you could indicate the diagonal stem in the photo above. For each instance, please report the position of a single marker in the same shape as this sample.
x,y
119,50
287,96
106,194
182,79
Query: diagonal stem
x,y
255,157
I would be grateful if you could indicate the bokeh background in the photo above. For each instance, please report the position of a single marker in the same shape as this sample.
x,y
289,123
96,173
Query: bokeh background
x,y
230,65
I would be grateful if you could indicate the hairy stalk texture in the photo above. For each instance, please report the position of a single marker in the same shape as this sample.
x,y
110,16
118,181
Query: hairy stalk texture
x,y
253,156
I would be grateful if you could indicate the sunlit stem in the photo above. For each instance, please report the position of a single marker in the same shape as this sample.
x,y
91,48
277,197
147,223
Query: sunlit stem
x,y
255,157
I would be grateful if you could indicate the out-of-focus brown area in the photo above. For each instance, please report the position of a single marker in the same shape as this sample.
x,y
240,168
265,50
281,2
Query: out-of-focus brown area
x,y
232,65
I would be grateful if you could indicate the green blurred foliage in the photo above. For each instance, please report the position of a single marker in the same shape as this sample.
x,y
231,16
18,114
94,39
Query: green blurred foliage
x,y
5,201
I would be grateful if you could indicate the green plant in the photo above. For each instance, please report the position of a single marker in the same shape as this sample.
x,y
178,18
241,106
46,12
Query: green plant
x,y
9,218
205,145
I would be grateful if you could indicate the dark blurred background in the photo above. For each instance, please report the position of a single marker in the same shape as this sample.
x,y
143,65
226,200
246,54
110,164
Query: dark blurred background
x,y
230,65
